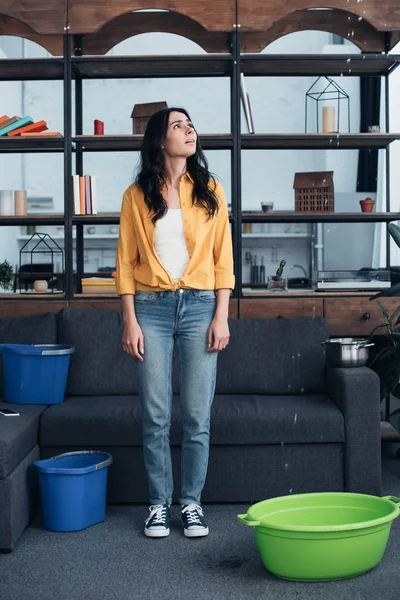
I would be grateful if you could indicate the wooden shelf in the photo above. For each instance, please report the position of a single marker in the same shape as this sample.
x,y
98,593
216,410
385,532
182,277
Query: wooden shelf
x,y
31,69
105,143
33,220
311,141
107,67
31,144
282,65
291,216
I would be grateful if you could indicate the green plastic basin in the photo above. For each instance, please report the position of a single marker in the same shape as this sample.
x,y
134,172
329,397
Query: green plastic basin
x,y
321,537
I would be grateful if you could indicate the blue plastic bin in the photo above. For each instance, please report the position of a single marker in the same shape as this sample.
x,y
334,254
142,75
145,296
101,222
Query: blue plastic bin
x,y
35,373
73,489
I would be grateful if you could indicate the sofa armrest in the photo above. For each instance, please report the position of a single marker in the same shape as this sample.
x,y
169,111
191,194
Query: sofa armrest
x,y
356,392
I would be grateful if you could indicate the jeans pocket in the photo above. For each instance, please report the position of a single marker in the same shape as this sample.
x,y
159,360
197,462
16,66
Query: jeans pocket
x,y
206,295
145,297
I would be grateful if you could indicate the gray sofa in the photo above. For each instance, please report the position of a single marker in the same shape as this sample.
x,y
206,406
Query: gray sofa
x,y
282,422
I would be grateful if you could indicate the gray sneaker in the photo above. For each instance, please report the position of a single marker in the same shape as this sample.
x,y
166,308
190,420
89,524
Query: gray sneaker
x,y
157,524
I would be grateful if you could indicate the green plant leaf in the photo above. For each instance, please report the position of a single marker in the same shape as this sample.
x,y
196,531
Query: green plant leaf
x,y
388,293
394,314
383,309
380,326
394,231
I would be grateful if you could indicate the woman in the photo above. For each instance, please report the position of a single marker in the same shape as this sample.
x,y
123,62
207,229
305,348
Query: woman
x,y
175,276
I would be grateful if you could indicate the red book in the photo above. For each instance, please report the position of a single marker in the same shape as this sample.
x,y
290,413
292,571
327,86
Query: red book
x,y
37,127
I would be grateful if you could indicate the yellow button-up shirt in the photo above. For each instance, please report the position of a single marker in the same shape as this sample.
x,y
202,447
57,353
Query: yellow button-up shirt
x,y
209,245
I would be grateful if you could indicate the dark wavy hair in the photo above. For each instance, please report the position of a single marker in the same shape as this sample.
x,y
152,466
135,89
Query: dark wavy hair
x,y
152,169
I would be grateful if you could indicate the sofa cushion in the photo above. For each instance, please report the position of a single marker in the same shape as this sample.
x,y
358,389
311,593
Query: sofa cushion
x,y
18,435
35,329
273,356
99,366
252,419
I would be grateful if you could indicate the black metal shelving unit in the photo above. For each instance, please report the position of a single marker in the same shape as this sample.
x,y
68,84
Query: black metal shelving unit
x,y
74,68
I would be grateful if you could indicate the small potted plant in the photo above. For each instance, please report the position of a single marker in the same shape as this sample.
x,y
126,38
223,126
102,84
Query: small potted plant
x,y
367,205
278,282
6,276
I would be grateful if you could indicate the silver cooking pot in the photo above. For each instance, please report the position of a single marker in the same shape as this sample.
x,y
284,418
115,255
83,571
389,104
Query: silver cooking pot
x,y
347,352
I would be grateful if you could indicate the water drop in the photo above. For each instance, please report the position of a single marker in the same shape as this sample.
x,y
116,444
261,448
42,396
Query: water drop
x,y
360,18
295,419
352,33
348,60
291,490
286,467
298,354
349,71
302,391
282,444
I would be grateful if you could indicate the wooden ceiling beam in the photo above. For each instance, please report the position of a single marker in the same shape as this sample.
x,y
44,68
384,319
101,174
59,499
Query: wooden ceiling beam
x,y
128,25
361,33
44,18
51,43
260,15
92,15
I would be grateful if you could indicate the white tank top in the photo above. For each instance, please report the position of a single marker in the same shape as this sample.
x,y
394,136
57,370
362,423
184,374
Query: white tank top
x,y
170,244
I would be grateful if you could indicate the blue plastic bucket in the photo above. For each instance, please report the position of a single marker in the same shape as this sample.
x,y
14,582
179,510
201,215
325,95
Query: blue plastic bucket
x,y
35,373
73,489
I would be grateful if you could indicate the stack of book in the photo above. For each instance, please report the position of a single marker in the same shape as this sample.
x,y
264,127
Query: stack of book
x,y
24,126
85,194
98,285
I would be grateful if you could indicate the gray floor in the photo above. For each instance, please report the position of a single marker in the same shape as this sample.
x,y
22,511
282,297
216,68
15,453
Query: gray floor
x,y
113,560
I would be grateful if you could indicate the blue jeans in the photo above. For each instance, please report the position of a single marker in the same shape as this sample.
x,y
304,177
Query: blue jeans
x,y
185,315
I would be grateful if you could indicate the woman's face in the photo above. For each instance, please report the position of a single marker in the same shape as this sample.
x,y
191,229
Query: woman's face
x,y
181,137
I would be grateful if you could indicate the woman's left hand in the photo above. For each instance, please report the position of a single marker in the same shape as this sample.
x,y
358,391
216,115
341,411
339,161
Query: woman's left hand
x,y
218,334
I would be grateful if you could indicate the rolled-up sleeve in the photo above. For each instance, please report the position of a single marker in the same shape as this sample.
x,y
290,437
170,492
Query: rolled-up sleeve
x,y
223,254
127,250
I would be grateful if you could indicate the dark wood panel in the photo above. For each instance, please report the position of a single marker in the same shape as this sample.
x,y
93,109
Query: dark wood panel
x,y
268,308
52,43
112,303
21,308
297,65
259,15
91,15
366,37
195,65
337,141
128,25
355,316
43,17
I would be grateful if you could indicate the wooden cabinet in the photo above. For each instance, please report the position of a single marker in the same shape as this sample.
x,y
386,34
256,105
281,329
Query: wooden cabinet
x,y
271,308
355,316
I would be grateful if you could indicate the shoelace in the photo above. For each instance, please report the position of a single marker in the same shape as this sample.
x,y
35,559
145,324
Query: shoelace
x,y
159,513
194,511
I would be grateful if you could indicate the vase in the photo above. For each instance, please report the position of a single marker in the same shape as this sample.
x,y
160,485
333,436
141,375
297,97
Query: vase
x,y
277,284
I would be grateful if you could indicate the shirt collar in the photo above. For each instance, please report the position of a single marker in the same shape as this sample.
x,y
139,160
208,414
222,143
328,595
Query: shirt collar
x,y
188,175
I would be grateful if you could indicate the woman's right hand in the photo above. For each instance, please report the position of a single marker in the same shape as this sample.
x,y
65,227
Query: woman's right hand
x,y
133,340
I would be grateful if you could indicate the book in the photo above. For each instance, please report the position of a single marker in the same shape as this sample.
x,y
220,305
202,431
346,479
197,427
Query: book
x,y
76,194
88,196
17,123
244,97
33,127
8,121
82,199
43,134
250,113
93,191
3,118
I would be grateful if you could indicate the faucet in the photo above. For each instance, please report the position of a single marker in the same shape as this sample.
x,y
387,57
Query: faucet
x,y
300,267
